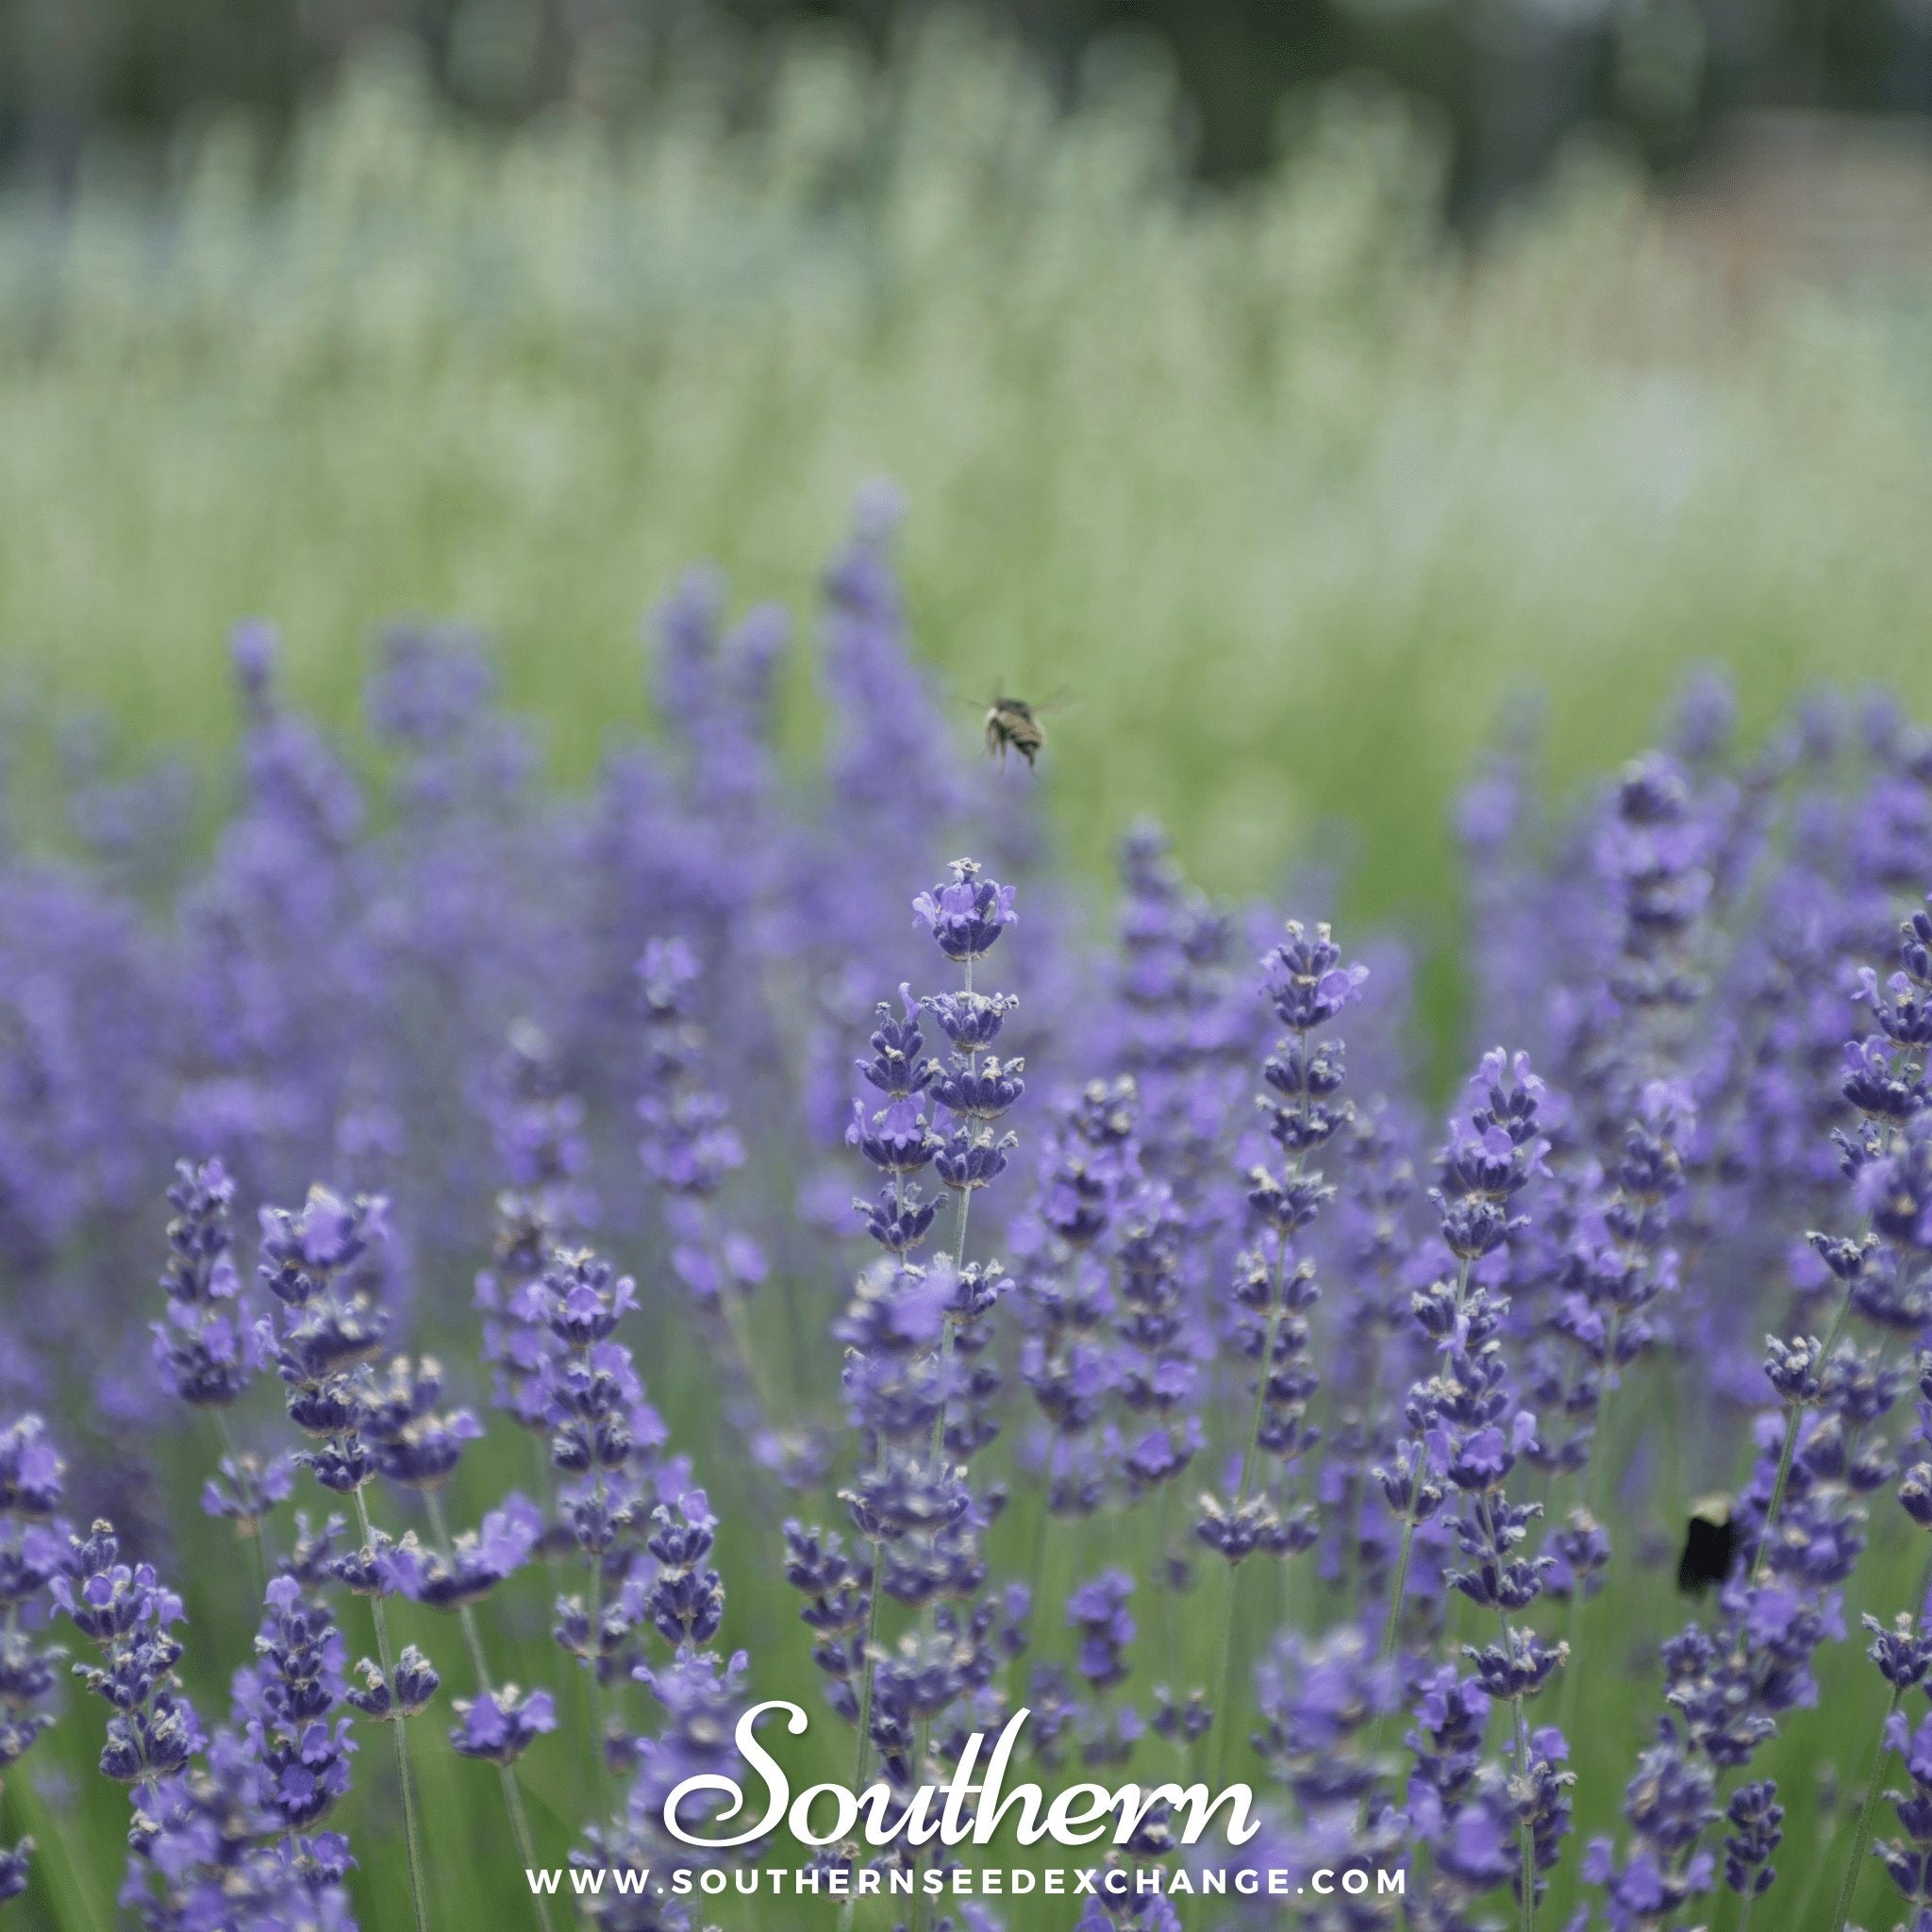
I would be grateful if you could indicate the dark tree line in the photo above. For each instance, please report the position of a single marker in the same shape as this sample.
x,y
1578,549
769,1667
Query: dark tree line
x,y
1509,77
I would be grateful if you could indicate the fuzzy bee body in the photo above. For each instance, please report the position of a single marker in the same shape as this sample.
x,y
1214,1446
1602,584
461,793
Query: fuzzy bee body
x,y
1013,724
1710,1545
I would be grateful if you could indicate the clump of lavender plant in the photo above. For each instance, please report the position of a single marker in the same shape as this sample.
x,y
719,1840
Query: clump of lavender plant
x,y
1308,985
689,1147
31,1555
1713,1161
209,1349
206,1351
909,1501
126,1613
287,1700
537,1130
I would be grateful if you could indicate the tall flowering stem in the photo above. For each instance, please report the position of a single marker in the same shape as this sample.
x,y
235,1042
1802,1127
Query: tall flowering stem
x,y
604,1438
208,1351
320,1263
1308,985
499,1723
965,917
395,1683
1496,1148
128,1615
1472,1433
1903,1656
689,1147
903,1330
32,1548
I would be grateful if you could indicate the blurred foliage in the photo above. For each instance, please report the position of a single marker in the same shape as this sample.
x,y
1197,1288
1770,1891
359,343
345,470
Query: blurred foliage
x,y
1509,77
1297,497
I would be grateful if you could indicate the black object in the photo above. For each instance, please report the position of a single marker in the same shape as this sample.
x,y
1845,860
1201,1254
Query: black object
x,y
1710,1545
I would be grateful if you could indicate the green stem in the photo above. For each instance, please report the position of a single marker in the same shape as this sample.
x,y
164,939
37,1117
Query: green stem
x,y
1525,1834
1214,1739
923,1750
50,1838
1037,1574
862,1750
1566,1697
1390,1632
1861,1837
411,1838
945,1352
600,1765
1164,1602
1778,1494
1398,1589
1225,1642
937,1452
253,1532
1599,1463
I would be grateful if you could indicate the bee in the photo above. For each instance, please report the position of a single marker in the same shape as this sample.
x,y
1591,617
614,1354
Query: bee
x,y
1013,724
1710,1545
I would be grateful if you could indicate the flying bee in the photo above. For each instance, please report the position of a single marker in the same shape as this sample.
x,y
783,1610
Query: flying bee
x,y
1013,724
1710,1545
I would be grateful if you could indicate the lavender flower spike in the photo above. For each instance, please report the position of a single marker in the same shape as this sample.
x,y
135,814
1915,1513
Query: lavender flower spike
x,y
31,1553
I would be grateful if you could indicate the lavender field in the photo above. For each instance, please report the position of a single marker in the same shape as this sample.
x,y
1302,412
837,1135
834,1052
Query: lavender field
x,y
1359,1235
512,1276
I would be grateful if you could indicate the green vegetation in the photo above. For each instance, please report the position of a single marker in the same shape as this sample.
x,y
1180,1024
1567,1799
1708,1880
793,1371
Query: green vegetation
x,y
1294,496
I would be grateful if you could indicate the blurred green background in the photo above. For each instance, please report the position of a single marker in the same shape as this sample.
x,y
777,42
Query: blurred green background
x,y
1298,488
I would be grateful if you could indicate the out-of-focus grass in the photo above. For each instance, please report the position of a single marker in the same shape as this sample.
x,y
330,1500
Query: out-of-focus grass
x,y
1291,493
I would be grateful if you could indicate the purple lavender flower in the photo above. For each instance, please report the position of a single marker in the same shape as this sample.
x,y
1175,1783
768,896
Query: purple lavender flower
x,y
477,1561
1068,1360
538,1129
126,1613
689,1146
1308,985
206,1848
408,1688
246,1487
967,914
317,1261
686,1601
1735,1143
1757,1821
287,1700
208,1349
1098,1614
1319,1701
32,1540
700,1696
917,1344
503,1723
837,1610
416,1445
